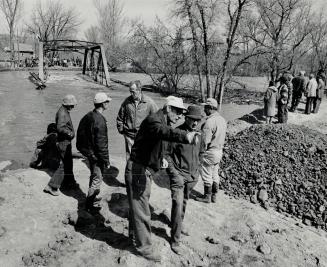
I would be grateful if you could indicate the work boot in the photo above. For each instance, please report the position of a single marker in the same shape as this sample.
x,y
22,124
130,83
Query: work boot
x,y
185,231
206,198
177,248
50,190
151,256
214,192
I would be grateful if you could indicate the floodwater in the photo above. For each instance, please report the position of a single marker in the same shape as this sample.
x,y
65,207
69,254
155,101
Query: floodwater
x,y
26,112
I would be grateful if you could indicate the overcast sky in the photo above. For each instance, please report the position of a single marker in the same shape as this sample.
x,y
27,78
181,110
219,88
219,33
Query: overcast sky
x,y
146,9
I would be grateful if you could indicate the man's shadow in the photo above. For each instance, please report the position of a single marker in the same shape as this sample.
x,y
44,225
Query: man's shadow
x,y
118,205
95,225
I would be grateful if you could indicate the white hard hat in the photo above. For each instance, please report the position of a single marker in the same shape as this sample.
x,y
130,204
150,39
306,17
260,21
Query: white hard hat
x,y
69,100
101,98
174,101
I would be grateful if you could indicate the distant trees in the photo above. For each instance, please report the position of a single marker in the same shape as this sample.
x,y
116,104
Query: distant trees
x,y
281,28
12,11
51,20
111,22
161,53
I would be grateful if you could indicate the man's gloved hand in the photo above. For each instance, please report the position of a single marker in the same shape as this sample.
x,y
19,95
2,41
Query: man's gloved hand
x,y
108,166
193,137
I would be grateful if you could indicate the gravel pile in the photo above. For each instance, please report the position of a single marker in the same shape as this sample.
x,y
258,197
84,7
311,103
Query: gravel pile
x,y
279,166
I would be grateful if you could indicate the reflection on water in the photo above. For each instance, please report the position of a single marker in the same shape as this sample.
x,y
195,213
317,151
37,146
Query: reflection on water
x,y
26,112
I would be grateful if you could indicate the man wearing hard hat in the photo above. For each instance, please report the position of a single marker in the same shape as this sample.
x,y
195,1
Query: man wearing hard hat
x,y
146,159
92,142
64,176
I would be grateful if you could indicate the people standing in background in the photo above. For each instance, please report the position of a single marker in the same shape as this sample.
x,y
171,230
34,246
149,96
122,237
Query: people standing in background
x,y
311,93
299,87
282,110
270,101
320,94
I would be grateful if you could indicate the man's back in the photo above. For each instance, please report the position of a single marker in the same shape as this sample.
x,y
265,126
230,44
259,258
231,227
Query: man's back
x,y
214,133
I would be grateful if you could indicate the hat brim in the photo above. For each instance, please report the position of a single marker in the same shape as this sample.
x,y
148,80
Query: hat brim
x,y
194,117
178,107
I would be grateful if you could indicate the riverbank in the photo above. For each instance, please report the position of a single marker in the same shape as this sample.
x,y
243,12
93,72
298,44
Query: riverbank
x,y
37,229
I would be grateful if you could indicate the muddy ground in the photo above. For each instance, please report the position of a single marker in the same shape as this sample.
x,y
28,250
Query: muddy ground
x,y
37,229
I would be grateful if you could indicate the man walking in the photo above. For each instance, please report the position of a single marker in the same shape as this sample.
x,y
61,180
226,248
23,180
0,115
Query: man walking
x,y
92,142
132,112
214,132
299,85
183,171
64,176
146,158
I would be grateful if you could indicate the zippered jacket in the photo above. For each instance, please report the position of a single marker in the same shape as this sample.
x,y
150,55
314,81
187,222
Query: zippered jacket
x,y
130,115
92,137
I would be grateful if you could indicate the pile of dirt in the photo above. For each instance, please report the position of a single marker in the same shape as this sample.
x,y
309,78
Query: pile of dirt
x,y
280,166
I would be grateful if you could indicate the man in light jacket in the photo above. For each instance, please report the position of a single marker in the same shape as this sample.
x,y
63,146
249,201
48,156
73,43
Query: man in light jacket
x,y
311,93
213,136
132,112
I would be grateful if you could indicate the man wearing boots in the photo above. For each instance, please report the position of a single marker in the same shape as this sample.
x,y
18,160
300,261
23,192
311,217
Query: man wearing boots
x,y
92,142
183,171
64,176
213,138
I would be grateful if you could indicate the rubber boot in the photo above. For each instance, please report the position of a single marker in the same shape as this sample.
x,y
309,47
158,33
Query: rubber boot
x,y
214,192
206,198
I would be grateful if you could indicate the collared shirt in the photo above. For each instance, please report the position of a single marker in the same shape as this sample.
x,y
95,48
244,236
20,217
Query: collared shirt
x,y
214,133
131,114
312,88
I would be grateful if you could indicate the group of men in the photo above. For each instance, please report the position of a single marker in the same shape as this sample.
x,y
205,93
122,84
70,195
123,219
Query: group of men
x,y
185,153
312,87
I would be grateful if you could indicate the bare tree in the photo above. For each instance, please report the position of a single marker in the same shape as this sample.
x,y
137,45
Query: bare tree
x,y
11,10
111,22
281,28
53,21
235,10
160,54
318,37
201,17
92,34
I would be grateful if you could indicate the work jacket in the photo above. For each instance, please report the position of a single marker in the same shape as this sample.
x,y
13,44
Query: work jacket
x,y
149,148
184,159
321,88
214,133
92,137
312,88
131,115
64,125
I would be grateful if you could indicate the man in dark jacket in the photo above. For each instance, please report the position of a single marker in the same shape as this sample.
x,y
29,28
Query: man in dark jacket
x,y
92,142
64,176
132,112
299,86
147,157
183,170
